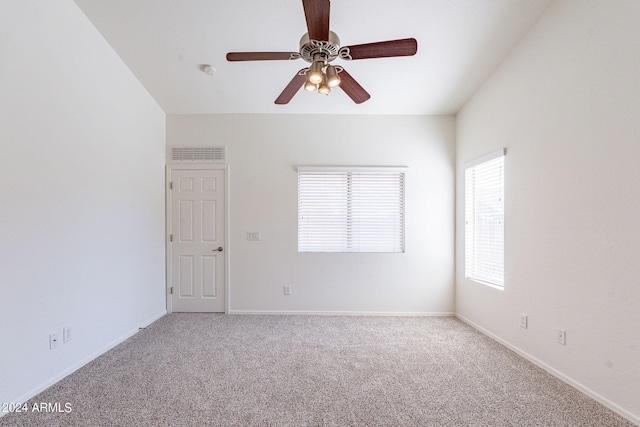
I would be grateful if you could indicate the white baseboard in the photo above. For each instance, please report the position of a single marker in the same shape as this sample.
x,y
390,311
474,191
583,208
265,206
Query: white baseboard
x,y
344,313
615,408
60,375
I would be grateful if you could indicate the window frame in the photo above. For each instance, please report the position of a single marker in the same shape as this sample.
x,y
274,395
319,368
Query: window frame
x,y
473,268
345,197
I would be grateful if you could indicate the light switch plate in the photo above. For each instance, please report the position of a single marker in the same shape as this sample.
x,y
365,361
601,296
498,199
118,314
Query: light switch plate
x,y
66,335
523,320
253,235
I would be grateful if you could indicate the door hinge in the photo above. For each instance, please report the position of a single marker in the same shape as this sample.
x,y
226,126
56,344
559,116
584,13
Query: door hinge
x,y
171,290
170,185
171,237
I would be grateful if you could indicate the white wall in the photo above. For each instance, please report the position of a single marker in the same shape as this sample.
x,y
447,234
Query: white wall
x,y
566,104
81,194
263,152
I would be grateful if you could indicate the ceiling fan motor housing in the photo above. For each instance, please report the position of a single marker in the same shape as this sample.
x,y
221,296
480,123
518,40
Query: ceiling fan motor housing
x,y
328,50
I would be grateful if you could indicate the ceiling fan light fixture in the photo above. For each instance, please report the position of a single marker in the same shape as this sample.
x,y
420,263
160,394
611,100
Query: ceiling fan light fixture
x,y
308,84
323,87
333,79
314,75
324,90
310,87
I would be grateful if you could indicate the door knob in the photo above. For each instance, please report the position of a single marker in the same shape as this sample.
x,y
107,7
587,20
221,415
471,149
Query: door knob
x,y
219,249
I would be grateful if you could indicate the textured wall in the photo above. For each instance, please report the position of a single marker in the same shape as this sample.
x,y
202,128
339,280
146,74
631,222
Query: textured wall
x,y
81,215
263,152
565,104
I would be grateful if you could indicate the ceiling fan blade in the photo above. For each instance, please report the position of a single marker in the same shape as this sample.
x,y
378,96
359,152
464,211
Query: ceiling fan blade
x,y
292,88
317,14
261,56
402,47
353,88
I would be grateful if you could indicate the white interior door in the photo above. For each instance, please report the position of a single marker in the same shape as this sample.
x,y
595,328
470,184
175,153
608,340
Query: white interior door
x,y
197,240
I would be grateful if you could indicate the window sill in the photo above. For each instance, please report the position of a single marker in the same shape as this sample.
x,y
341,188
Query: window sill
x,y
492,285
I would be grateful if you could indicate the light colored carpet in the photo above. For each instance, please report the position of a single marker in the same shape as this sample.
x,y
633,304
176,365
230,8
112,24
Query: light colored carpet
x,y
230,370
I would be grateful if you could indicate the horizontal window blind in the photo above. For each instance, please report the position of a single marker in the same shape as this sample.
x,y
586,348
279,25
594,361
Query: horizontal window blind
x,y
350,210
484,221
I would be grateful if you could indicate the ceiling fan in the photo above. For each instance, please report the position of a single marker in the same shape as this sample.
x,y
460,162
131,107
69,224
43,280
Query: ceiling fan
x,y
320,47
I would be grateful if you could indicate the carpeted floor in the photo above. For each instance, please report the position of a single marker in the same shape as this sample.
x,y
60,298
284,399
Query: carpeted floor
x,y
230,370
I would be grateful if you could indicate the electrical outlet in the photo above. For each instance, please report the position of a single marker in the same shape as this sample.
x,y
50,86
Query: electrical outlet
x,y
53,340
287,290
562,337
66,335
523,321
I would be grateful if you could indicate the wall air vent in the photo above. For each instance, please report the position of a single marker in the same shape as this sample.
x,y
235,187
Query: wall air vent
x,y
198,154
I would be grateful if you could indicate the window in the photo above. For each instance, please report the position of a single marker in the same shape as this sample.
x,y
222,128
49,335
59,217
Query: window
x,y
484,219
350,209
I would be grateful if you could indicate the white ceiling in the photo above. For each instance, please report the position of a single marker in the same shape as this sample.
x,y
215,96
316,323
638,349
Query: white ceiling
x,y
164,43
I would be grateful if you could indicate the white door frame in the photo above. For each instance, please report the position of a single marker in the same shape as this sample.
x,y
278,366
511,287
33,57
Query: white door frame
x,y
168,221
